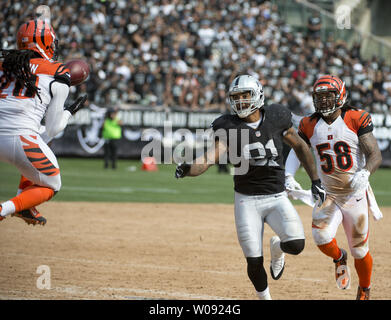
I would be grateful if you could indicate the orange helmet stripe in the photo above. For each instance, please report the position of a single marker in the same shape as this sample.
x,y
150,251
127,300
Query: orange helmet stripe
x,y
333,81
35,32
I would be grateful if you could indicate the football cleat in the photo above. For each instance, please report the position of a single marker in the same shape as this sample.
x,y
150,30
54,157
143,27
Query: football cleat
x,y
342,273
363,293
277,263
31,216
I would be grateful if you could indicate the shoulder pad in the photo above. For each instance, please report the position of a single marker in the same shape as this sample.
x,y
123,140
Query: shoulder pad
x,y
226,121
307,126
55,69
280,115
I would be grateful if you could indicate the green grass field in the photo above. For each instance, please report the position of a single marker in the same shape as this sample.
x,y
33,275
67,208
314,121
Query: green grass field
x,y
86,180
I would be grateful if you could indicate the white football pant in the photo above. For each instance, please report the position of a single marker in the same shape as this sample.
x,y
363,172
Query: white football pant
x,y
251,212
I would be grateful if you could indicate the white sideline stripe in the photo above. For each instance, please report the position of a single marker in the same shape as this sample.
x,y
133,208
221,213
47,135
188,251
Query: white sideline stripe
x,y
170,294
49,294
130,190
152,266
160,190
134,265
185,295
119,190
104,293
381,192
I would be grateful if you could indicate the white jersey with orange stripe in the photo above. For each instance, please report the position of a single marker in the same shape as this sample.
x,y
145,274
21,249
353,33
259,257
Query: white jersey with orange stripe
x,y
336,147
22,111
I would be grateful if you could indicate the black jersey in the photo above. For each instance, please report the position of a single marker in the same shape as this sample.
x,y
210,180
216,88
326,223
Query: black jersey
x,y
262,150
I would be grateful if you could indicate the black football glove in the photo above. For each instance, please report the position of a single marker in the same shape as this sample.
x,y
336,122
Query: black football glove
x,y
77,105
182,170
318,192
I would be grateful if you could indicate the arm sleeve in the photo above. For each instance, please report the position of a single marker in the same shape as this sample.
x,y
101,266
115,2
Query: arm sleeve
x,y
292,163
56,117
44,135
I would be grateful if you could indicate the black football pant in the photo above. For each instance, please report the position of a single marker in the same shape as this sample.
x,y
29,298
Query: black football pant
x,y
110,153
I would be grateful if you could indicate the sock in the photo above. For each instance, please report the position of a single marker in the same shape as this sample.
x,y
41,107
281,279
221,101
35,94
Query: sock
x,y
364,270
277,245
23,184
264,295
7,208
32,196
331,249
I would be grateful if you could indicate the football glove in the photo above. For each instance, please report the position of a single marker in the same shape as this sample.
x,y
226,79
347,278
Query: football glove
x,y
360,180
182,170
291,183
318,192
77,105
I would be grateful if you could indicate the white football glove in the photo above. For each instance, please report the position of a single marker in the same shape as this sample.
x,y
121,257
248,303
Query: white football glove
x,y
291,183
360,180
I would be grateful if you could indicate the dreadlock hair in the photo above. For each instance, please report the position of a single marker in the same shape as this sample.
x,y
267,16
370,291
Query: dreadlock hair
x,y
16,66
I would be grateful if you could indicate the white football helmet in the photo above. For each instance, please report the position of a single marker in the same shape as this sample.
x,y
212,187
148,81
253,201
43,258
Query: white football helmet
x,y
245,107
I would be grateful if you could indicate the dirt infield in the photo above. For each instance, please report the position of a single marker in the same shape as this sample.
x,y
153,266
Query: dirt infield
x,y
164,251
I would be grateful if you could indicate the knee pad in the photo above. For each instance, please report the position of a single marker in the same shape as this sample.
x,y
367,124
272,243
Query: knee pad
x,y
321,236
257,274
359,252
52,183
57,184
293,246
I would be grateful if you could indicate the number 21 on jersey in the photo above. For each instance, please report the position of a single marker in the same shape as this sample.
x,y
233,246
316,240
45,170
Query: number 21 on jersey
x,y
341,157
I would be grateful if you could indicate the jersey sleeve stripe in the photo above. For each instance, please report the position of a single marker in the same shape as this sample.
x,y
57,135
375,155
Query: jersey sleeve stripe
x,y
359,121
366,121
304,137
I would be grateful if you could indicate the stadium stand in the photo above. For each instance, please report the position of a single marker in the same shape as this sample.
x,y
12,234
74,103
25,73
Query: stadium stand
x,y
185,53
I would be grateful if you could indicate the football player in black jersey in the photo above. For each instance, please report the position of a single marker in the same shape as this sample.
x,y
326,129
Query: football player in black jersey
x,y
258,133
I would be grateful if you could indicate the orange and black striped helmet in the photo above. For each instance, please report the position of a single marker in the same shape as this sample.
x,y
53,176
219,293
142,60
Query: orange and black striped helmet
x,y
38,35
329,83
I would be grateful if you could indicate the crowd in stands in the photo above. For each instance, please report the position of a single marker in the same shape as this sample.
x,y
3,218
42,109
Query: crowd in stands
x,y
176,53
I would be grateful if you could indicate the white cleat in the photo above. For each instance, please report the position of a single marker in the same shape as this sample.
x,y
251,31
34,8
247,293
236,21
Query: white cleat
x,y
277,262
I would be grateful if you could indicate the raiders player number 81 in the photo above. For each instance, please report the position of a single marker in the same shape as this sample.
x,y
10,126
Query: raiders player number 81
x,y
260,192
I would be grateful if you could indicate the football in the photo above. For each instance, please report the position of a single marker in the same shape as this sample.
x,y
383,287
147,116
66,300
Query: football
x,y
79,71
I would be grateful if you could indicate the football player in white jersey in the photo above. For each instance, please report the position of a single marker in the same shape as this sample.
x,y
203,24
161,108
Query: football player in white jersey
x,y
33,86
347,154
259,132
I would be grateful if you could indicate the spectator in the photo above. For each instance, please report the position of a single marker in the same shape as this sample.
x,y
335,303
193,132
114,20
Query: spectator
x,y
111,133
314,25
164,46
